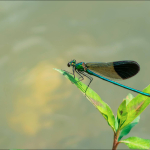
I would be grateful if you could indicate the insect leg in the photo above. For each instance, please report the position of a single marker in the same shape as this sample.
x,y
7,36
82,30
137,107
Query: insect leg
x,y
80,75
87,77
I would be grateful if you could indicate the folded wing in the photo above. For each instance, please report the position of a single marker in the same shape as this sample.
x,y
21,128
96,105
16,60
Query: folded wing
x,y
115,70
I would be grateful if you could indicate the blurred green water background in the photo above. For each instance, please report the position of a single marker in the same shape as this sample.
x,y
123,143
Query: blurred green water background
x,y
39,108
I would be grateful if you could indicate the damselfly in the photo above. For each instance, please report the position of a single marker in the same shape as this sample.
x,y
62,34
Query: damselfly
x,y
113,70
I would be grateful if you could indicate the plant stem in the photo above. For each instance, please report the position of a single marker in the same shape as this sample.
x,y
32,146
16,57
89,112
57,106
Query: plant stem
x,y
115,143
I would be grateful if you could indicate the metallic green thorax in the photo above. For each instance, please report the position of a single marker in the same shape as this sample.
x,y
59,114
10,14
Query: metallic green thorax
x,y
80,66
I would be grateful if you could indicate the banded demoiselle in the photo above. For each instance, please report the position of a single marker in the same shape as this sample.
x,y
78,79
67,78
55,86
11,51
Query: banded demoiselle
x,y
112,70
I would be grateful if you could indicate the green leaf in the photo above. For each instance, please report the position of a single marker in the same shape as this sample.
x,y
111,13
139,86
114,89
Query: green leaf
x,y
129,98
116,124
136,106
122,113
93,97
128,128
136,143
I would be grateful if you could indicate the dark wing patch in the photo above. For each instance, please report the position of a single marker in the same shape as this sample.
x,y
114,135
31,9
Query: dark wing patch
x,y
126,69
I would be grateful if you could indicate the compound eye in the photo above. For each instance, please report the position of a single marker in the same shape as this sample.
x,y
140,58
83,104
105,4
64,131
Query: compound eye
x,y
68,65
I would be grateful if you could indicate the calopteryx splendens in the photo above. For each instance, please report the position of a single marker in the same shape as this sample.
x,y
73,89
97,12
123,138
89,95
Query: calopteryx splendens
x,y
113,70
